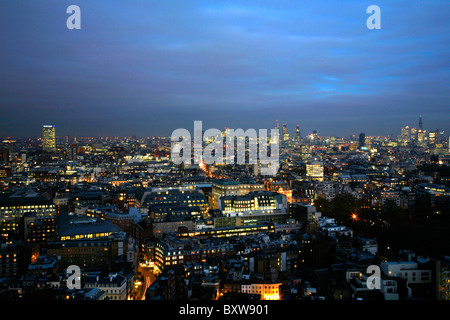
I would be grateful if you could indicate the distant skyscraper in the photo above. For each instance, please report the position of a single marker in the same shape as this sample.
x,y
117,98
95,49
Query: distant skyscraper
x,y
413,134
362,140
285,133
434,137
297,133
421,133
407,134
48,138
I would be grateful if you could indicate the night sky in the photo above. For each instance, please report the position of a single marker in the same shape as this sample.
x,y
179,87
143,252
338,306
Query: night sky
x,y
146,67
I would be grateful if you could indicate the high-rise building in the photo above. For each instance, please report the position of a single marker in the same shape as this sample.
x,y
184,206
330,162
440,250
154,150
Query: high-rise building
x,y
421,134
421,137
297,133
277,127
432,138
449,144
285,133
362,140
48,138
406,135
413,135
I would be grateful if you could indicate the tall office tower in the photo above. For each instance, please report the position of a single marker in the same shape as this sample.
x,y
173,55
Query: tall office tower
x,y
432,138
285,133
420,133
438,136
413,134
48,138
362,140
314,136
297,133
277,127
405,136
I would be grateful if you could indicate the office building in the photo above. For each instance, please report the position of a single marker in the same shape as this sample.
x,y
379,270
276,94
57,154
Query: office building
x,y
443,279
10,256
297,134
14,206
362,140
48,138
175,198
285,133
225,187
253,202
314,170
91,243
38,229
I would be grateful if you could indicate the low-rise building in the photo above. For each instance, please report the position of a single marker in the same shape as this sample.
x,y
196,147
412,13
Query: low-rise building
x,y
114,285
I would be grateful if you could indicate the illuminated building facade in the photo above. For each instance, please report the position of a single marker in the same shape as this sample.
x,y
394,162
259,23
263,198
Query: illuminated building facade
x,y
314,171
9,261
253,201
297,134
285,133
48,138
38,229
267,291
189,197
244,230
15,206
443,279
223,187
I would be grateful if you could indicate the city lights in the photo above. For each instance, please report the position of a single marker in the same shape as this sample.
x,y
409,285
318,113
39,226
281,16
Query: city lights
x,y
251,155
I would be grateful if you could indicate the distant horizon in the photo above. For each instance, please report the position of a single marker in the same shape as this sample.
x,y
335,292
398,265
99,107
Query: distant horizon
x,y
290,131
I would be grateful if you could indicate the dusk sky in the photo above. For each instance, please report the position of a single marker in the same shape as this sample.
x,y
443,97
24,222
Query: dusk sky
x,y
146,67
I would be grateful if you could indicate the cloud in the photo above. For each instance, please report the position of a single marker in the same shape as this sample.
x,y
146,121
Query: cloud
x,y
157,65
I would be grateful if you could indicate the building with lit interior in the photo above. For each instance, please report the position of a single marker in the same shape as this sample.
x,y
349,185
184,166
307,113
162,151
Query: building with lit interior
x,y
314,170
224,187
253,201
15,205
48,138
267,291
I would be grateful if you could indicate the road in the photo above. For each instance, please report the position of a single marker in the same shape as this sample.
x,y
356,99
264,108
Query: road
x,y
149,278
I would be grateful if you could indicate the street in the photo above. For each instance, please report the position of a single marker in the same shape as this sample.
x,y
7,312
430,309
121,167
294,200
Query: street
x,y
149,277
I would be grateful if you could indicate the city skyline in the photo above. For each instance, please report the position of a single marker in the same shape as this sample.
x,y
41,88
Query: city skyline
x,y
285,133
147,68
